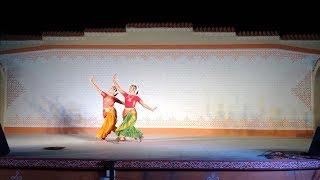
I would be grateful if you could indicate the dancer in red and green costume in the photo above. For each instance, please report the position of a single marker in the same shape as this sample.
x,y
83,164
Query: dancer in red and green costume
x,y
127,129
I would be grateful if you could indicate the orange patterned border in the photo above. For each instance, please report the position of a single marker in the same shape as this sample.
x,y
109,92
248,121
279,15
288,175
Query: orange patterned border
x,y
194,46
168,131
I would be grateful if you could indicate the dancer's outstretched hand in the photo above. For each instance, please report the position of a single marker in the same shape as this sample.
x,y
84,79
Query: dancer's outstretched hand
x,y
92,79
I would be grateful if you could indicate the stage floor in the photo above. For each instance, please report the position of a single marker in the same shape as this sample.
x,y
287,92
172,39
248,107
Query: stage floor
x,y
152,148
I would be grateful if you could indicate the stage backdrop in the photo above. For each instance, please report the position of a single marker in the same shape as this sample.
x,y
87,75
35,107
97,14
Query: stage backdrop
x,y
192,88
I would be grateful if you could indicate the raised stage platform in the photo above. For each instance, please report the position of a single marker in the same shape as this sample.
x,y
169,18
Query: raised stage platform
x,y
158,158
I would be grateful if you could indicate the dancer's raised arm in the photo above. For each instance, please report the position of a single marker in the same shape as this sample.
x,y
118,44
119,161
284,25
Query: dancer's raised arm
x,y
116,83
93,82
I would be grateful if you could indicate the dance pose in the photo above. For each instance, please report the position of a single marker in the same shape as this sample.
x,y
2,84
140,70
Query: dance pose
x,y
127,129
109,112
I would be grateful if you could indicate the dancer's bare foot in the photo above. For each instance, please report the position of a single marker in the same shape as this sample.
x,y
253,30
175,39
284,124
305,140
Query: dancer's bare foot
x,y
120,139
140,139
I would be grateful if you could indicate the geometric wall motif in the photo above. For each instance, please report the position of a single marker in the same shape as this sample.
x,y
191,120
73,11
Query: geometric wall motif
x,y
15,88
190,54
303,90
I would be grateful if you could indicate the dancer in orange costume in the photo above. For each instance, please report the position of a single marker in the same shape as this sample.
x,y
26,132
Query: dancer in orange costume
x,y
109,112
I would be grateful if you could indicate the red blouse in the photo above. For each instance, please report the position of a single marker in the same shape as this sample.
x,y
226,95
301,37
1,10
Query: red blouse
x,y
131,100
108,101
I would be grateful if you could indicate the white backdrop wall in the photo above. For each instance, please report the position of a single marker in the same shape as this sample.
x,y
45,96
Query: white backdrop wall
x,y
192,88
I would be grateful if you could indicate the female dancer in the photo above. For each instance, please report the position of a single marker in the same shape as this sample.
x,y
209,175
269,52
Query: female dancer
x,y
127,129
109,112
